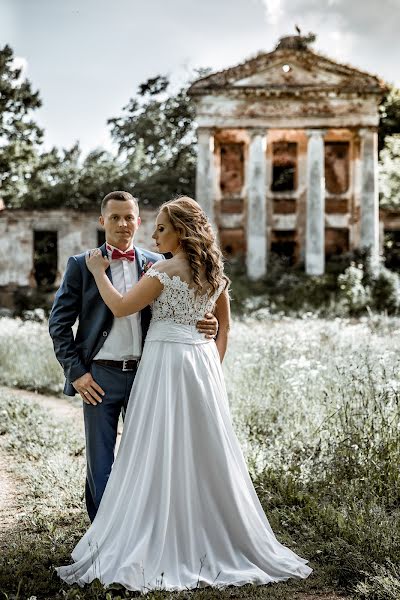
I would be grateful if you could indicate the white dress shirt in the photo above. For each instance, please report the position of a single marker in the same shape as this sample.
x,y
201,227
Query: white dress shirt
x,y
125,338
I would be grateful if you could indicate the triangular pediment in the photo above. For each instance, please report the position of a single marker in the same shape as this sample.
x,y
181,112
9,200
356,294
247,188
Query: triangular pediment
x,y
290,70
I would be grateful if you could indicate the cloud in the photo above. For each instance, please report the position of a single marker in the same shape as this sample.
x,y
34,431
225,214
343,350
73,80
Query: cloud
x,y
273,11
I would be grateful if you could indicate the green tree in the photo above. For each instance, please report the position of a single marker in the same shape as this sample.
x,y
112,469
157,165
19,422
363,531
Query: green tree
x,y
20,136
101,173
389,122
61,178
389,173
54,179
156,138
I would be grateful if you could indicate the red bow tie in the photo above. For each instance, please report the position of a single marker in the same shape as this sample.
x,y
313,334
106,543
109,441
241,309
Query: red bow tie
x,y
119,255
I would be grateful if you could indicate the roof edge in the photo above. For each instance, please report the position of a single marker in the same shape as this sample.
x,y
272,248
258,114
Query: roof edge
x,y
201,84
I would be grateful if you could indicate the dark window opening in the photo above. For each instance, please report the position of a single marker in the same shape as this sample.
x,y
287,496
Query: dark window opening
x,y
232,168
337,167
391,248
283,179
45,258
284,166
101,237
284,246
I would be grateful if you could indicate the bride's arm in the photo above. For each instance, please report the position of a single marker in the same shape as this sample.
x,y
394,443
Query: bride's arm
x,y
121,305
223,314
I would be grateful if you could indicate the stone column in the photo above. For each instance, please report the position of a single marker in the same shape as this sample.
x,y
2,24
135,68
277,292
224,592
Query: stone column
x,y
206,183
256,258
369,235
355,178
315,225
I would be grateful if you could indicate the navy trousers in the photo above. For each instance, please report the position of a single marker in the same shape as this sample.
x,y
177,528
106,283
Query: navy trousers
x,y
101,425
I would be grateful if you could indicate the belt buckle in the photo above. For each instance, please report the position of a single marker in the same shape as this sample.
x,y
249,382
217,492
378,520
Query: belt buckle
x,y
124,365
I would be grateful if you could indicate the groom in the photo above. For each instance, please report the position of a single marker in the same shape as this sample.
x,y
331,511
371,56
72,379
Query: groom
x,y
101,361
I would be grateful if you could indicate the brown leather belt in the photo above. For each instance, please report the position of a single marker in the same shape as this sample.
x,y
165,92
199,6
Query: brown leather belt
x,y
123,365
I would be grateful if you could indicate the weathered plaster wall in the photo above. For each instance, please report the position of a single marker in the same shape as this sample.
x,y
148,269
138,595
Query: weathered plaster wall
x,y
77,231
278,113
287,208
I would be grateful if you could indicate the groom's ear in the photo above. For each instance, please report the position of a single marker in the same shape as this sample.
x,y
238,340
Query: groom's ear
x,y
101,220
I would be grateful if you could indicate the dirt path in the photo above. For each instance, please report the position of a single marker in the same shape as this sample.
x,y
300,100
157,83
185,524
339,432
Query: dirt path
x,y
10,500
11,488
61,407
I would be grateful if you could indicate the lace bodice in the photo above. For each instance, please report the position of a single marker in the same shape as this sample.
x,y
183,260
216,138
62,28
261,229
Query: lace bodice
x,y
178,302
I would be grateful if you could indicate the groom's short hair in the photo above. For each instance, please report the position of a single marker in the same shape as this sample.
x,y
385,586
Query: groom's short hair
x,y
124,196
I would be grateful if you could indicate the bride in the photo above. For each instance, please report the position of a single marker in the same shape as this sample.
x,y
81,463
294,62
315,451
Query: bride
x,y
179,510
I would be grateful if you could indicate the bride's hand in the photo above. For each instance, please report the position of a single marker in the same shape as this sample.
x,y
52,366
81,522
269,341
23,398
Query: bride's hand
x,y
96,262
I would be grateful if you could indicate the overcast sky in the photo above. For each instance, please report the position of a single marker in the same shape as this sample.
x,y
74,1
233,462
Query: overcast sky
x,y
86,57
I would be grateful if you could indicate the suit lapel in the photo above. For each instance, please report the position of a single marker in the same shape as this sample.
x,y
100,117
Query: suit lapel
x,y
140,262
104,253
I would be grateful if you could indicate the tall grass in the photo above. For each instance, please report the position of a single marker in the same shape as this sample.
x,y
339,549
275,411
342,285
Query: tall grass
x,y
47,457
316,405
26,357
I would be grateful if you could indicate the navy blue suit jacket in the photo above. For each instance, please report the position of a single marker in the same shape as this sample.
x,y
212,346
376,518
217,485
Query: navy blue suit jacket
x,y
79,298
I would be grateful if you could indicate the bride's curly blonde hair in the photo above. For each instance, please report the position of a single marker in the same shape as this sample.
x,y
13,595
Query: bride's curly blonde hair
x,y
197,240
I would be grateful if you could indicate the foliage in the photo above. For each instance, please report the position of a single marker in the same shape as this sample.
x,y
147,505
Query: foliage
x,y
20,136
383,583
156,140
351,286
389,113
389,173
289,290
356,295
385,290
155,134
60,178
365,286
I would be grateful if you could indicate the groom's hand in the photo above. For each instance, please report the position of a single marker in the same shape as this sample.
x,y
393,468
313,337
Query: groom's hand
x,y
89,390
208,325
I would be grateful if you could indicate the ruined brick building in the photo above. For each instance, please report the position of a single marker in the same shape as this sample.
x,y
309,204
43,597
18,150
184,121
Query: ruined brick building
x,y
288,158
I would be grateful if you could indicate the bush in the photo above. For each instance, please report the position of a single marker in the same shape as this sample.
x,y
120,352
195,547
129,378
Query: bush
x,y
290,291
284,290
385,290
382,584
355,294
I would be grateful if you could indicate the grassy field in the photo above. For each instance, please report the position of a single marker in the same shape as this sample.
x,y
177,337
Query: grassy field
x,y
316,405
27,358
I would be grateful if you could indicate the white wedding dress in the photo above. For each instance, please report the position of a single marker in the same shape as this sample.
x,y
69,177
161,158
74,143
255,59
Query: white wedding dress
x,y
180,510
